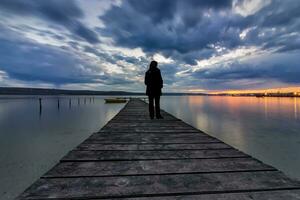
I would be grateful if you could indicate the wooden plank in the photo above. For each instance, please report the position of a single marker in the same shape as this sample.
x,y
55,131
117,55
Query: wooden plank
x,y
115,132
147,155
148,130
157,185
125,115
156,139
87,146
148,136
130,120
109,168
260,195
143,120
156,123
158,126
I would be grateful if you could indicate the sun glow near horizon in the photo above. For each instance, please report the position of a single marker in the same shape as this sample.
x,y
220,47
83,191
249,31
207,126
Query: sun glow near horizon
x,y
295,90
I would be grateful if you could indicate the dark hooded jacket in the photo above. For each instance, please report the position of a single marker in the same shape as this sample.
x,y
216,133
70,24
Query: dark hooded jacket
x,y
153,81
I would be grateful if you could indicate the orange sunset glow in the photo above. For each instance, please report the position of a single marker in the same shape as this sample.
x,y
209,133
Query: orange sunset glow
x,y
295,90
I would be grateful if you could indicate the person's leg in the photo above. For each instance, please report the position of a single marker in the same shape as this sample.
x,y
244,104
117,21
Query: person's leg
x,y
151,106
157,107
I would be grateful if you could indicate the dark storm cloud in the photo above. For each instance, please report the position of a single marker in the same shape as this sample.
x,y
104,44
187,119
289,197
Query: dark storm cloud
x,y
168,71
163,10
169,27
282,68
271,27
114,58
26,60
64,13
280,13
185,27
241,76
29,61
36,62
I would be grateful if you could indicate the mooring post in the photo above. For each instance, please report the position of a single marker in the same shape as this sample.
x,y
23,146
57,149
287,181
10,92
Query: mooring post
x,y
78,101
70,103
58,103
40,102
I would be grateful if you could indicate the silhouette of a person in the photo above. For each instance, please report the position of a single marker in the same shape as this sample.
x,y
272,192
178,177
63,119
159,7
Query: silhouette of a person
x,y
154,83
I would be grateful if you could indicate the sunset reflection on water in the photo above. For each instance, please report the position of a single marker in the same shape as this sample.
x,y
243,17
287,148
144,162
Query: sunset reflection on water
x,y
266,127
267,105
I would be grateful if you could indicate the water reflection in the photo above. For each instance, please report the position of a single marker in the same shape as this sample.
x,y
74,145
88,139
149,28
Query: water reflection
x,y
295,108
35,136
266,107
266,128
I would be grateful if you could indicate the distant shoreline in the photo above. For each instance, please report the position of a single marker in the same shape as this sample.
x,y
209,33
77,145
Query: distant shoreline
x,y
51,92
61,92
258,95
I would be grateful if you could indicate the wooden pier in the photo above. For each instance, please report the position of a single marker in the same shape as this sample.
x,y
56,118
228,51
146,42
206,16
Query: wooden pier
x,y
133,157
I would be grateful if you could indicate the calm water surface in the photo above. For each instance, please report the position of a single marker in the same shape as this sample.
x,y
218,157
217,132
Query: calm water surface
x,y
32,142
266,128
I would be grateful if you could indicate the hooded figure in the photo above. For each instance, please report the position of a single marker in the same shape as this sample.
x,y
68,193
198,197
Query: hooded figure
x,y
154,83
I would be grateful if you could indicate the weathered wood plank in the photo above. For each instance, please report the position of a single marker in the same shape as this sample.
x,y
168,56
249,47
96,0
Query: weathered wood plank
x,y
75,169
148,136
143,120
146,155
162,127
157,139
149,130
129,120
87,146
156,123
157,185
116,132
260,195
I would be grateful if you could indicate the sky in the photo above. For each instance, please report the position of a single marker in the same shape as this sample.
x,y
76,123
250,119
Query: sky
x,y
106,45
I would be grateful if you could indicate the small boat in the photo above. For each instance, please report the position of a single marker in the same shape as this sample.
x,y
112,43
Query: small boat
x,y
115,100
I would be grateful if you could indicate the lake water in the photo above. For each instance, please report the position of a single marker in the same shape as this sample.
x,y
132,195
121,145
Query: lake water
x,y
31,142
265,128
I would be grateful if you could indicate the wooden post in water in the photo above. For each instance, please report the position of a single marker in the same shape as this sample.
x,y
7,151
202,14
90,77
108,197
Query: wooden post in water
x,y
84,100
58,103
70,103
40,103
78,101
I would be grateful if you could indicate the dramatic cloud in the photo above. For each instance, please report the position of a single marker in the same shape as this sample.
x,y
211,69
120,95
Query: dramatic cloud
x,y
200,44
64,13
192,32
172,27
28,61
